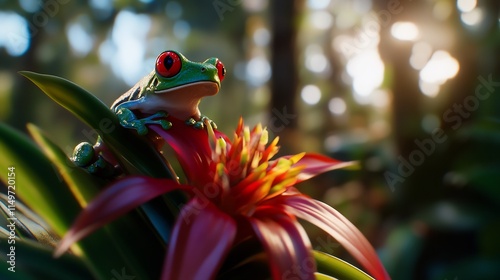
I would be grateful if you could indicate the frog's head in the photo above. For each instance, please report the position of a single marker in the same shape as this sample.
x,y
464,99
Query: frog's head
x,y
183,83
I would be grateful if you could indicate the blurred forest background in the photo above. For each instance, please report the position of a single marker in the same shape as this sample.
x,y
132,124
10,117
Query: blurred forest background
x,y
409,88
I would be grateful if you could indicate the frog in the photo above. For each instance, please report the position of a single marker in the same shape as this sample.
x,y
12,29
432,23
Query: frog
x,y
174,88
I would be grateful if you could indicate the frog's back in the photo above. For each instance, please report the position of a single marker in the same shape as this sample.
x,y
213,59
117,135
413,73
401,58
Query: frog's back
x,y
132,94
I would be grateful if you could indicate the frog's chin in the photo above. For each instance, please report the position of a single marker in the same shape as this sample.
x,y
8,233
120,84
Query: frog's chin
x,y
198,89
182,102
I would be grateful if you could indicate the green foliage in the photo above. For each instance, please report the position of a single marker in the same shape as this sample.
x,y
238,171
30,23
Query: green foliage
x,y
35,261
337,268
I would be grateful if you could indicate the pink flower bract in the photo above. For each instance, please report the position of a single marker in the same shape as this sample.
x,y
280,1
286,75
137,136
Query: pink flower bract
x,y
233,183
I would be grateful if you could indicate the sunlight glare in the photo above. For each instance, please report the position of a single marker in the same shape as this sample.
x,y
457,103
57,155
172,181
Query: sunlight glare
x,y
14,34
79,38
404,31
367,72
316,61
318,4
421,52
125,51
322,20
337,106
441,67
380,98
258,71
466,6
473,17
429,89
310,94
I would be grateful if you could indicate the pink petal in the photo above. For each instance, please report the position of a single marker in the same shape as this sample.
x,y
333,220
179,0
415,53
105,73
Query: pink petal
x,y
316,164
201,238
286,243
113,202
192,149
339,227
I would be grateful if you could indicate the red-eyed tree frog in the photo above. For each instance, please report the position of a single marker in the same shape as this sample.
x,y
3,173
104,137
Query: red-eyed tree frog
x,y
174,88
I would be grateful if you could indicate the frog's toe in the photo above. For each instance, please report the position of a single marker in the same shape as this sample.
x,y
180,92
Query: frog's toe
x,y
141,129
199,125
125,115
101,167
165,124
83,154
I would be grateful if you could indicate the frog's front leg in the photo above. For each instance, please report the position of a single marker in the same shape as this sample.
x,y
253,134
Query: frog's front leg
x,y
200,124
85,156
129,120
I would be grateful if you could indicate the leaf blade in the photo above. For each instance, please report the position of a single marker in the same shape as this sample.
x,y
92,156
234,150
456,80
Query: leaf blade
x,y
130,236
337,268
133,152
36,261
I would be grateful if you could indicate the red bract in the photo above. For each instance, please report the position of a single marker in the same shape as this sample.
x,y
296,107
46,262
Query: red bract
x,y
236,190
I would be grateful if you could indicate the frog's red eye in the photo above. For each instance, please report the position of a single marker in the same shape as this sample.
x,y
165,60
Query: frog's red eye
x,y
168,64
220,70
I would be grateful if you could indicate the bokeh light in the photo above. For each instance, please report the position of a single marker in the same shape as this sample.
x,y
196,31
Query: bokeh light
x,y
421,53
466,6
367,72
310,94
79,35
472,18
14,34
405,31
125,50
337,106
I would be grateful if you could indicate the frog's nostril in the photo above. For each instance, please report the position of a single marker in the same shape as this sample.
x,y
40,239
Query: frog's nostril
x,y
203,69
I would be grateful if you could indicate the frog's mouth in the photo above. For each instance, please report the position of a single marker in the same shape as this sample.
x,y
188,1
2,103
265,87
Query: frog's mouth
x,y
182,101
198,89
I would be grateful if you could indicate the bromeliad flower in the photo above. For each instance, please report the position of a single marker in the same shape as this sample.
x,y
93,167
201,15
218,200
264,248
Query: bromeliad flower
x,y
237,191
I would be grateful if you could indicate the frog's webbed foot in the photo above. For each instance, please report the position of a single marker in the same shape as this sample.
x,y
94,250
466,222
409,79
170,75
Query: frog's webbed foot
x,y
85,156
201,123
129,120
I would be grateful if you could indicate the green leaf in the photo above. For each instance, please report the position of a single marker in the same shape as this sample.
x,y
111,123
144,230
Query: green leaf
x,y
83,186
39,186
337,268
320,276
135,153
130,235
37,181
27,224
34,261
